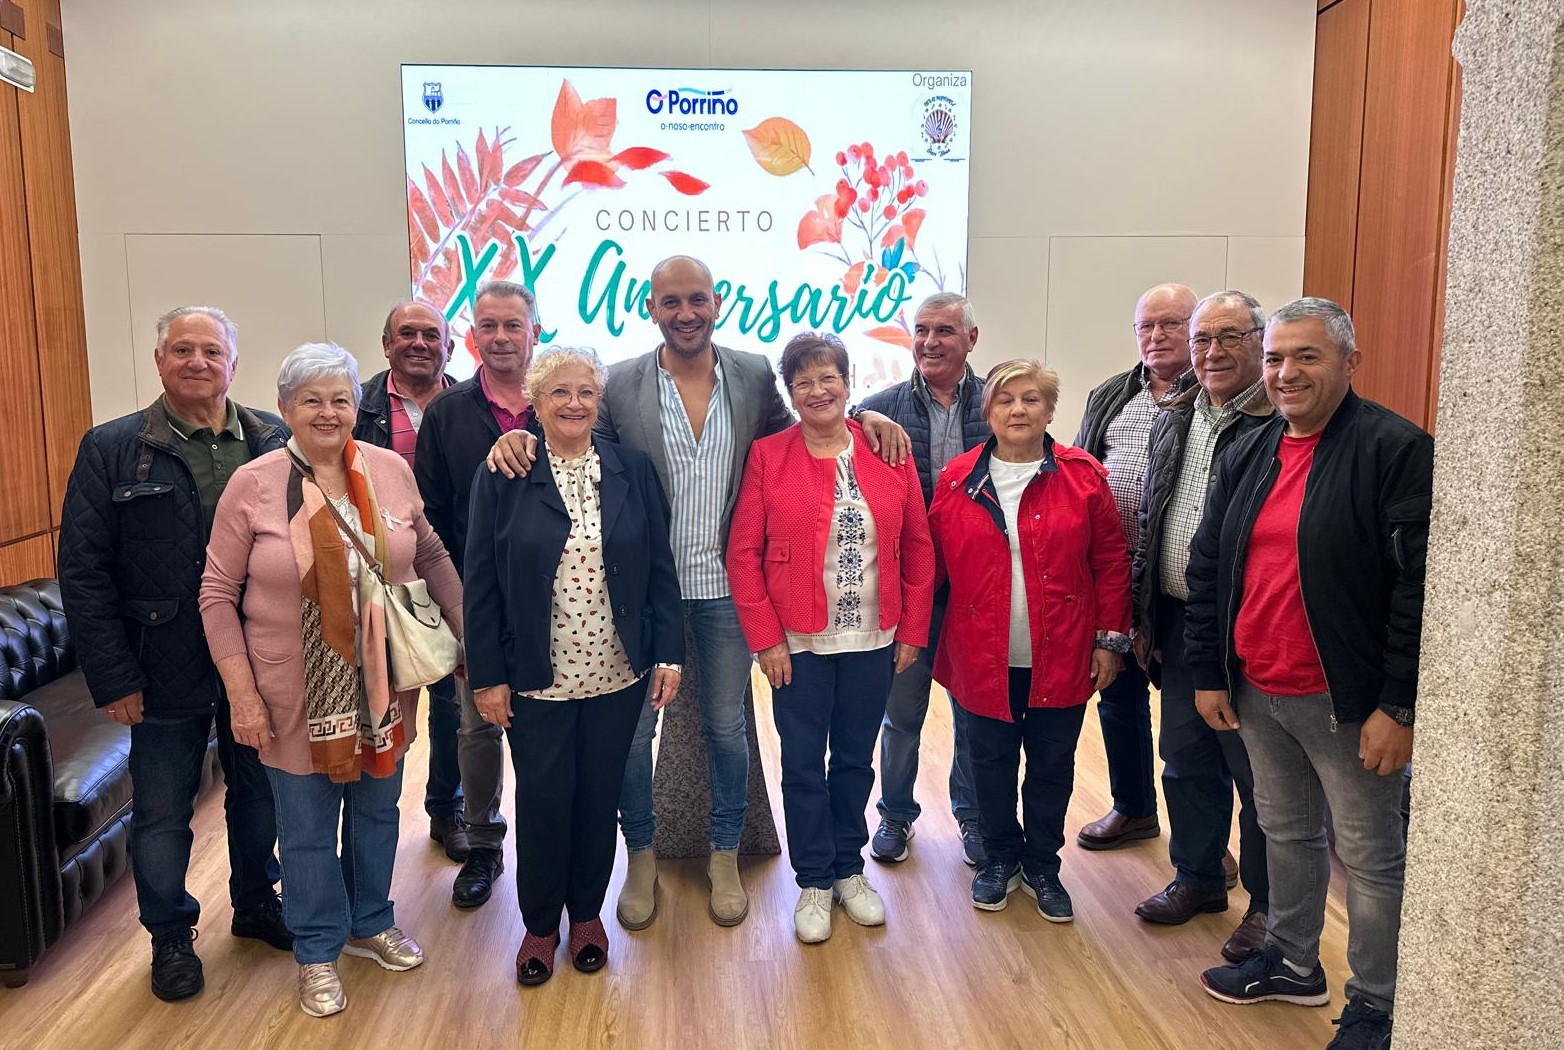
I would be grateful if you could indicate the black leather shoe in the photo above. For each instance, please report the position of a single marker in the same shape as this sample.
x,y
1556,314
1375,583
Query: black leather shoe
x,y
264,924
451,832
176,968
475,882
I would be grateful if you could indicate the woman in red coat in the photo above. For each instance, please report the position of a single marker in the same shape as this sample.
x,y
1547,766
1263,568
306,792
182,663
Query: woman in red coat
x,y
832,573
1039,614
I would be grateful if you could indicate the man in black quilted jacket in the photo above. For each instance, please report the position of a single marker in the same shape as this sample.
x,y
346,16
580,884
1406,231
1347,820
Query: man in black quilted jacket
x,y
138,511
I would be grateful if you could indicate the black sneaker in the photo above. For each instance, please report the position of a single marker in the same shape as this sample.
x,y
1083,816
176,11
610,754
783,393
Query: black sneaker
x,y
889,845
1264,977
972,849
994,882
264,924
1053,900
176,968
475,882
1361,1027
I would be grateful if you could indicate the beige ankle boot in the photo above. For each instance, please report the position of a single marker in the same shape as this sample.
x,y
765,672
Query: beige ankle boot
x,y
638,897
729,903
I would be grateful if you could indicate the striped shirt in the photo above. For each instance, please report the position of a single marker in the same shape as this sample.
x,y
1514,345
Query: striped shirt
x,y
405,418
702,472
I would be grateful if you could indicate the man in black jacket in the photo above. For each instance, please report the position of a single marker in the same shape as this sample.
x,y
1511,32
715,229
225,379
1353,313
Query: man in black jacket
x,y
137,514
417,343
458,428
1200,765
1303,623
941,408
1116,429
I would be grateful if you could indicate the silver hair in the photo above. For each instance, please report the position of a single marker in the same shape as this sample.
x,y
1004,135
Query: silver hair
x,y
556,357
508,290
445,327
313,362
1231,296
1338,323
943,300
229,328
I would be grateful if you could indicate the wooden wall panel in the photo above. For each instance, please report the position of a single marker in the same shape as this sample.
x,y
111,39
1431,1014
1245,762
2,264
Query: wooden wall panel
x,y
1402,223
1335,150
24,510
55,249
26,560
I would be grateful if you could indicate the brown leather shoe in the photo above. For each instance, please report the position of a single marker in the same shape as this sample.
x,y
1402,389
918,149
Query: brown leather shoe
x,y
1230,868
1116,829
1247,940
1179,903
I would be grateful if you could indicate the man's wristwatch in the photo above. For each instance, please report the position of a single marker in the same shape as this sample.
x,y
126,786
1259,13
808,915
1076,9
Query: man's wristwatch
x,y
1403,716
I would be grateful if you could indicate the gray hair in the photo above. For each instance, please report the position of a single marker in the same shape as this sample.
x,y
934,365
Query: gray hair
x,y
1338,323
229,328
313,362
508,290
943,300
1234,297
556,357
445,327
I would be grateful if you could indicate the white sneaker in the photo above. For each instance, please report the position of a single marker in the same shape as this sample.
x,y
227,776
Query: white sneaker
x,y
863,905
812,916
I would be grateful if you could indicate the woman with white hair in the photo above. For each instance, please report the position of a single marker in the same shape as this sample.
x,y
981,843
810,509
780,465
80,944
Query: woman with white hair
x,y
303,657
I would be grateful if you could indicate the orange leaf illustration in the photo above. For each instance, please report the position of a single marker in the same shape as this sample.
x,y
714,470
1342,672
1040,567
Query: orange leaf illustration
x,y
469,179
688,185
521,197
913,222
579,127
638,157
442,207
853,278
891,233
518,172
820,224
890,334
780,146
418,208
593,173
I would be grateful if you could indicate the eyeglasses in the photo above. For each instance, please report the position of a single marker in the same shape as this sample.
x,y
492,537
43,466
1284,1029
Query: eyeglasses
x,y
561,396
825,382
1169,327
1231,339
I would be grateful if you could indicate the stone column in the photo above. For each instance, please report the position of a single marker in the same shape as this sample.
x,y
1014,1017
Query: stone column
x,y
1482,939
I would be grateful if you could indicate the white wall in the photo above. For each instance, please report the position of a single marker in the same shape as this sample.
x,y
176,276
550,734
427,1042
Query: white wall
x,y
249,154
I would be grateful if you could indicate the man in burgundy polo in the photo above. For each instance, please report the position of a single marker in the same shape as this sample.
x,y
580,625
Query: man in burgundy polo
x,y
1302,630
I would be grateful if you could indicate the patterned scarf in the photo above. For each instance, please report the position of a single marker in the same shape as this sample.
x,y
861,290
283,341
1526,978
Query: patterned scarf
x,y
354,719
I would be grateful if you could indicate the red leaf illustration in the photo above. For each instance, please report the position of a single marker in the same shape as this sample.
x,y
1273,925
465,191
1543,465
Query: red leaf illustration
x,y
442,206
522,198
637,158
890,334
913,222
483,156
418,208
469,179
593,173
521,169
415,237
453,189
579,127
853,278
820,224
892,232
688,185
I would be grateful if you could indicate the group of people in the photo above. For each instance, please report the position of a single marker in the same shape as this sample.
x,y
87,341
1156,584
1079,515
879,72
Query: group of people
x,y
1232,524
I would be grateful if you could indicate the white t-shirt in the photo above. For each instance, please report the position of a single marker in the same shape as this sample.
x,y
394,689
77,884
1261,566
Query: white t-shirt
x,y
1010,481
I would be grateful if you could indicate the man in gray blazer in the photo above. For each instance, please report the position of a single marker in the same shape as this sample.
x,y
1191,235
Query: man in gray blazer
x,y
695,408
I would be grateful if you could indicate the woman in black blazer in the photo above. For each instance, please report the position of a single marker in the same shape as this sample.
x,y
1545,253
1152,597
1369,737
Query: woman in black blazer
x,y
572,602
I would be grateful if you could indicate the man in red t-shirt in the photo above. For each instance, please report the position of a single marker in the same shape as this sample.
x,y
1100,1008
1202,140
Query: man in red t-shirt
x,y
1302,633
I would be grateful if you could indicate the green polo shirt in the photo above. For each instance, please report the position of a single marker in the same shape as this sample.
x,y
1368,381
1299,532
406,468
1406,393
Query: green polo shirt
x,y
213,458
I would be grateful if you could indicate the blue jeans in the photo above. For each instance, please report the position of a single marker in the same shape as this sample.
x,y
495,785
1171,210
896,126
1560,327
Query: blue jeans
x,y
834,704
330,895
900,732
722,663
166,753
1300,763
443,792
1125,711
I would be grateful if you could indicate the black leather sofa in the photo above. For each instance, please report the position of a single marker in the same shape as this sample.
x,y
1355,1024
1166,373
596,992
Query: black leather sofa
x,y
65,790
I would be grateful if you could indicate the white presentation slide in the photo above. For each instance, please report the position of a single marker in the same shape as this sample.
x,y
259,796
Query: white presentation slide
x,y
828,201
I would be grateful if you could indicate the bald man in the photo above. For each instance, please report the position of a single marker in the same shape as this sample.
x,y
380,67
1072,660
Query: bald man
x,y
1116,428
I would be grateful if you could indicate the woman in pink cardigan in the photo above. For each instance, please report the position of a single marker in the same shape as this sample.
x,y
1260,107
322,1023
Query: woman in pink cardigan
x,y
832,572
301,649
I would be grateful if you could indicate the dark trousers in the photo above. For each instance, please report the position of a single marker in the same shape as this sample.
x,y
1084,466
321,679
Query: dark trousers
x,y
834,702
166,753
1125,710
443,792
1201,767
569,759
1049,735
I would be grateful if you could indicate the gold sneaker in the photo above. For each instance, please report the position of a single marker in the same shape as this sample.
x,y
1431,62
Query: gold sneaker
x,y
320,990
391,948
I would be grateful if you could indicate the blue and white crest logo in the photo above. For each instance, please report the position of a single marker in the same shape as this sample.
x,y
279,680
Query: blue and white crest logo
x,y
434,98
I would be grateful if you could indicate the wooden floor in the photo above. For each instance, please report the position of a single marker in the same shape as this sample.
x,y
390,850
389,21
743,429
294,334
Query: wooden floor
x,y
938,974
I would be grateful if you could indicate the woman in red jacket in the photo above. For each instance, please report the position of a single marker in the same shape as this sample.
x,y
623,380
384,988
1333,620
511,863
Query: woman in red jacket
x,y
1039,614
832,572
